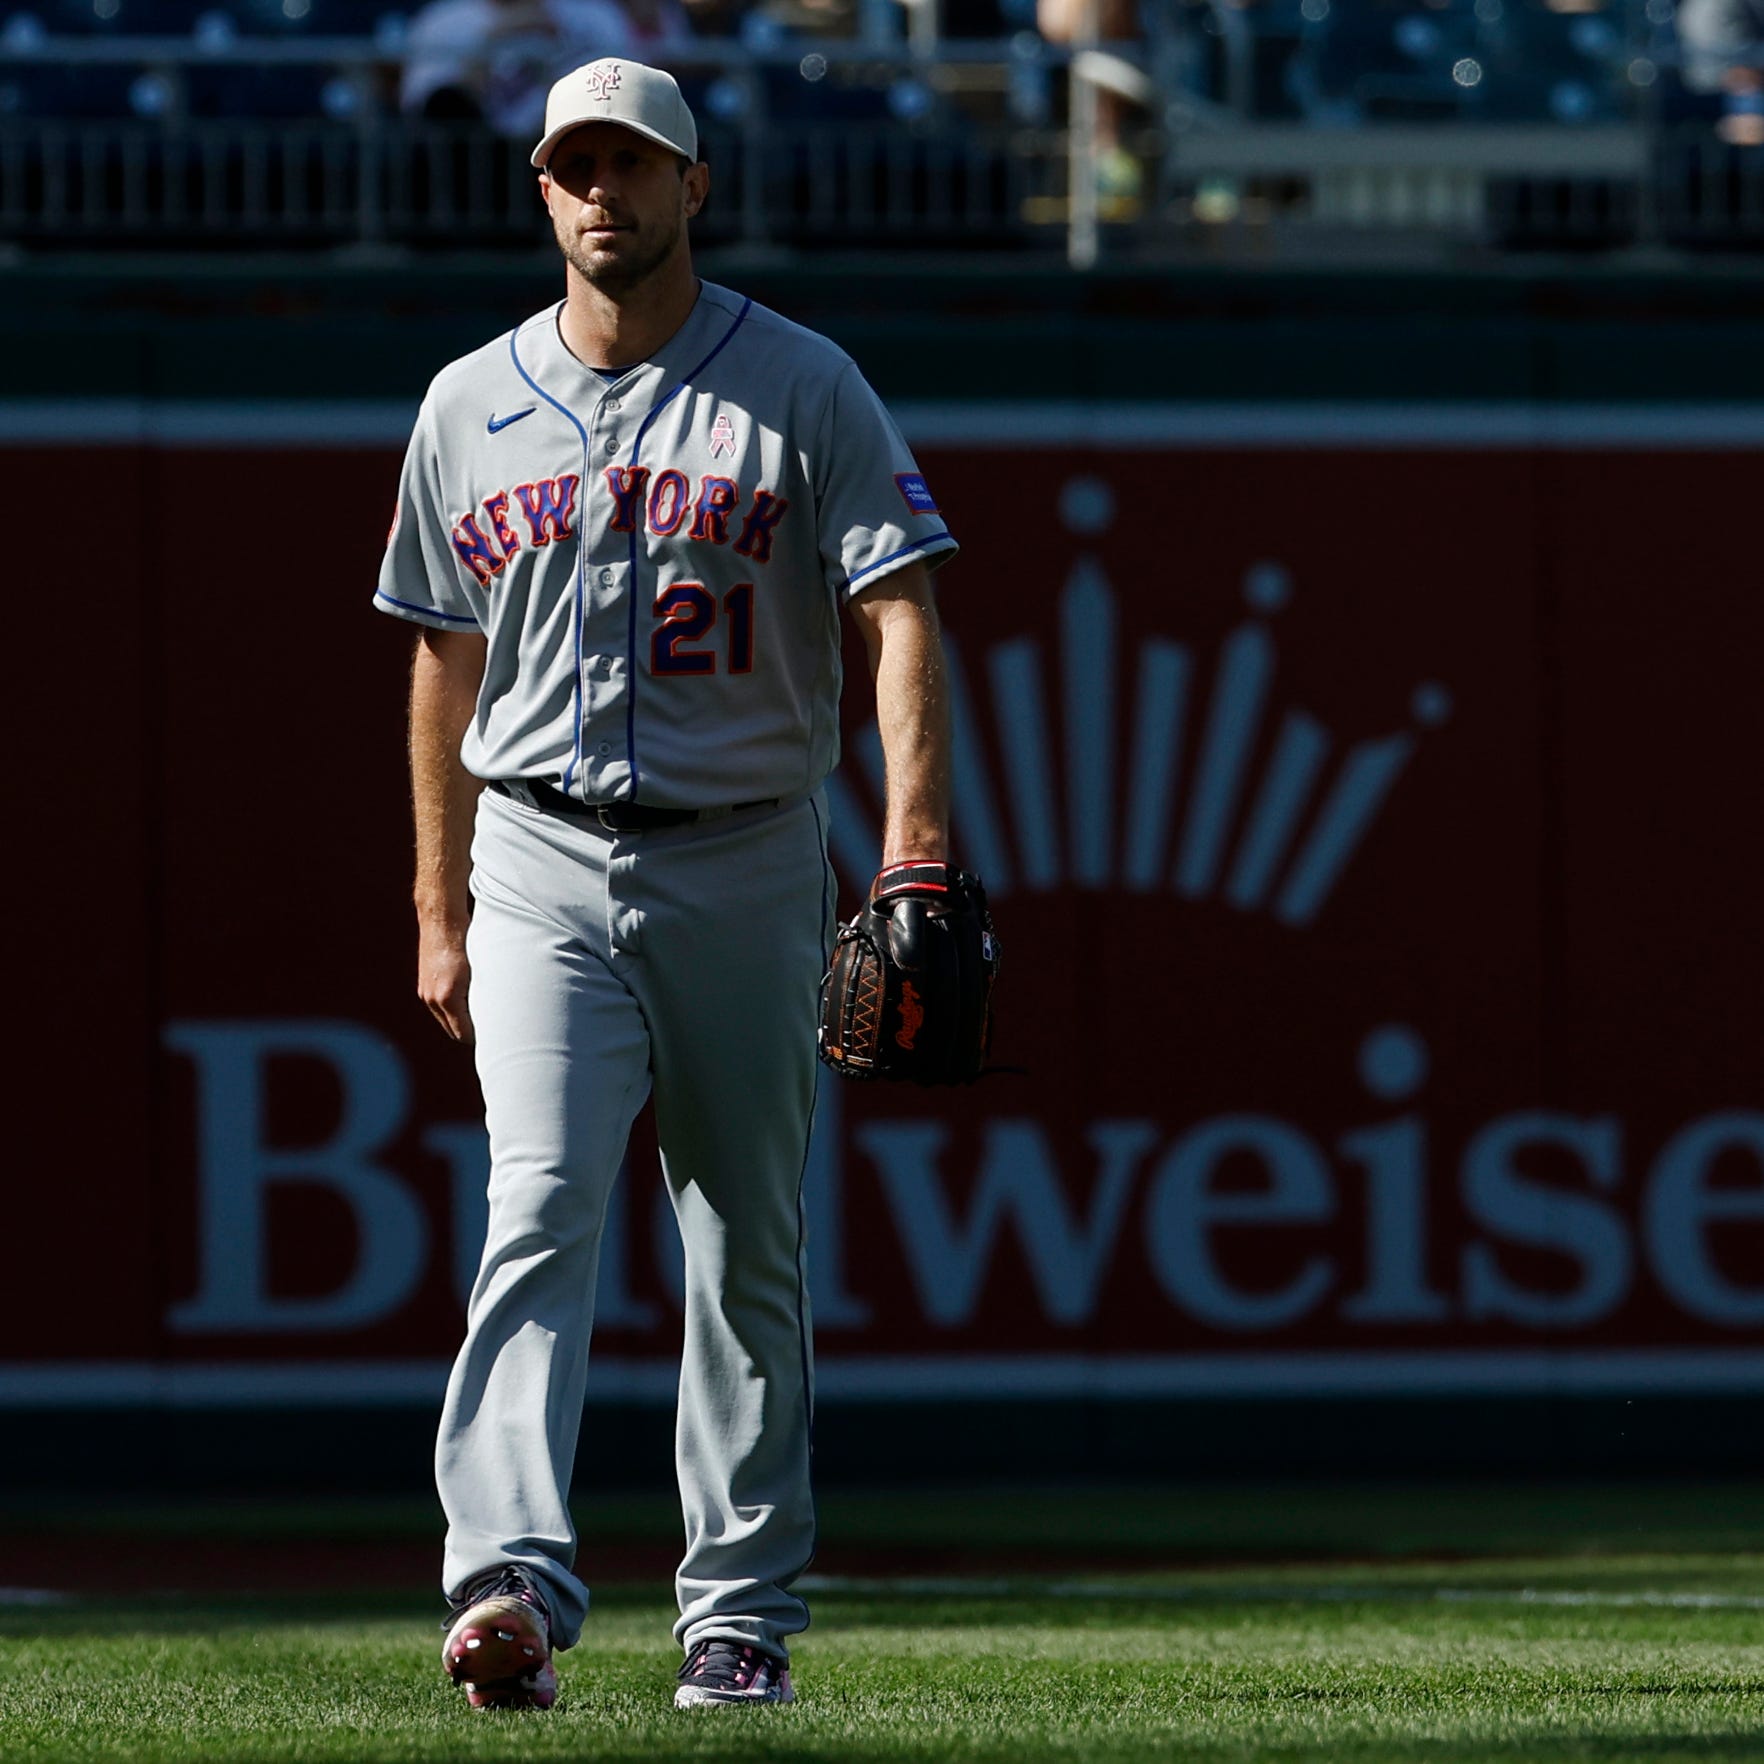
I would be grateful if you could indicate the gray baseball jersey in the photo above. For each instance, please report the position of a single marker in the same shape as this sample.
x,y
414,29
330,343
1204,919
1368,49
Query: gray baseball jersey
x,y
657,560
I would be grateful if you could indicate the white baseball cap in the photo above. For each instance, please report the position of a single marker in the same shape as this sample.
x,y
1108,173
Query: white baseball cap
x,y
624,92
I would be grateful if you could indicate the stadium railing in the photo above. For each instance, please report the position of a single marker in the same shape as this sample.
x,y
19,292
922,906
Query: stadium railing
x,y
987,144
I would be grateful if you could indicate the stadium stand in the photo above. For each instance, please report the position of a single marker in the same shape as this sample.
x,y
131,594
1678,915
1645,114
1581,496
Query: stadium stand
x,y
935,123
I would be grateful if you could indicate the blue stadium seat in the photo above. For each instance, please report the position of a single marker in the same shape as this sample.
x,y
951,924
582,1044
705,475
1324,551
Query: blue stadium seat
x,y
76,93
311,18
286,94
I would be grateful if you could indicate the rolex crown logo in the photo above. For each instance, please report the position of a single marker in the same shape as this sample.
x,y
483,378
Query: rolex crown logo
x,y
1226,796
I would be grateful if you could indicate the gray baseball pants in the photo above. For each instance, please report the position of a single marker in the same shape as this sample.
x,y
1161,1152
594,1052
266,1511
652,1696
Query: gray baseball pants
x,y
683,961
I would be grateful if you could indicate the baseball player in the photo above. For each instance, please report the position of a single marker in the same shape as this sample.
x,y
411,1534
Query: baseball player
x,y
628,529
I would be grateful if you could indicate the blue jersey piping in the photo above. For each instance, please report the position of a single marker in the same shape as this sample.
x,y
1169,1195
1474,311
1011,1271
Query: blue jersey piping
x,y
636,531
432,612
896,556
802,1327
581,548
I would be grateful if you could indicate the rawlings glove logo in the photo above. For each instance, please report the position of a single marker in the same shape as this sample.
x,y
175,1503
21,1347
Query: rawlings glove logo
x,y
912,1014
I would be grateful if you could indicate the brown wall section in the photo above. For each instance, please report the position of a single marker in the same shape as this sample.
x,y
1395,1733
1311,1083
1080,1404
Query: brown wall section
x,y
1492,1089
81,947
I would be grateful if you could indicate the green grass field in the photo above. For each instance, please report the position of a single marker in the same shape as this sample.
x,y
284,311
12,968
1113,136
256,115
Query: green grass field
x,y
1356,1625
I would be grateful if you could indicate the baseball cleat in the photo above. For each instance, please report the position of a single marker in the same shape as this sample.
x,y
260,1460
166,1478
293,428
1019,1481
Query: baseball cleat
x,y
721,1672
498,1646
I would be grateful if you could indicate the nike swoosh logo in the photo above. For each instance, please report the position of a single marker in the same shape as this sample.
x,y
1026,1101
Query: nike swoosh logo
x,y
496,422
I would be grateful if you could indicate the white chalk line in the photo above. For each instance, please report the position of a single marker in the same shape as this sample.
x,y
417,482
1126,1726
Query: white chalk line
x,y
1269,1594
1675,1601
943,1586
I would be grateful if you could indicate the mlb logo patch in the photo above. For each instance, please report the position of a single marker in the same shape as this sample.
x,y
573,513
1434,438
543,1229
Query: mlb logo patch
x,y
918,496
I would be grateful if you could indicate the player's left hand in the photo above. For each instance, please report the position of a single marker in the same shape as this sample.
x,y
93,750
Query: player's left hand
x,y
909,992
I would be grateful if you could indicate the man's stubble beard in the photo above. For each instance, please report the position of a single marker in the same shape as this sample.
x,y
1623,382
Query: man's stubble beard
x,y
619,276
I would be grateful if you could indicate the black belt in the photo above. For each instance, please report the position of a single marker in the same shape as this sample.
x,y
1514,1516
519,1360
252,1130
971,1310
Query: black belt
x,y
615,817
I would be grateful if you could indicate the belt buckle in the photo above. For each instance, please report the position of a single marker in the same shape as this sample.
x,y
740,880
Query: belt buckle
x,y
629,817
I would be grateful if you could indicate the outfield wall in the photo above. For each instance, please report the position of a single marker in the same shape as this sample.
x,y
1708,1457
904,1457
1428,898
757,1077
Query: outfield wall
x,y
1364,785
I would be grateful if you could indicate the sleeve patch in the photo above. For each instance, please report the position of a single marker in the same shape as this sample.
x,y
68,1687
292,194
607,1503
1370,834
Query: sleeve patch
x,y
917,494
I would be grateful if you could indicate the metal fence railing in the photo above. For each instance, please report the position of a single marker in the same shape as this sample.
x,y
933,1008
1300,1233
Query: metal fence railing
x,y
979,145
429,185
870,144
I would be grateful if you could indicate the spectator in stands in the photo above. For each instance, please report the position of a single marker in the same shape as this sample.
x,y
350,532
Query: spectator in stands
x,y
1119,178
1723,41
496,59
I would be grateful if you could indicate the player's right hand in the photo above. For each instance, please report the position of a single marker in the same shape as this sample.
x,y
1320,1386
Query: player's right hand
x,y
444,978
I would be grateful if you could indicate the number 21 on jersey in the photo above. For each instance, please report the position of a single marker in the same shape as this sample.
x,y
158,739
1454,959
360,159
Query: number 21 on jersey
x,y
686,614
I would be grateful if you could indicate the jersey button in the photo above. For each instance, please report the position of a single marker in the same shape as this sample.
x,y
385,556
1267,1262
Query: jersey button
x,y
604,747
606,577
610,405
612,446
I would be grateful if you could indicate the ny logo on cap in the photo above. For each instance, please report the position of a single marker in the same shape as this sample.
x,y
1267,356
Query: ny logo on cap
x,y
603,81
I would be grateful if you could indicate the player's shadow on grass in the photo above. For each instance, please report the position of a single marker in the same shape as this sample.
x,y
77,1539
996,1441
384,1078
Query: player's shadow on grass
x,y
171,1614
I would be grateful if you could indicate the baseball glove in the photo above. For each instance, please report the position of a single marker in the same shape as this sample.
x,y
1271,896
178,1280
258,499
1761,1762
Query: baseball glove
x,y
909,992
